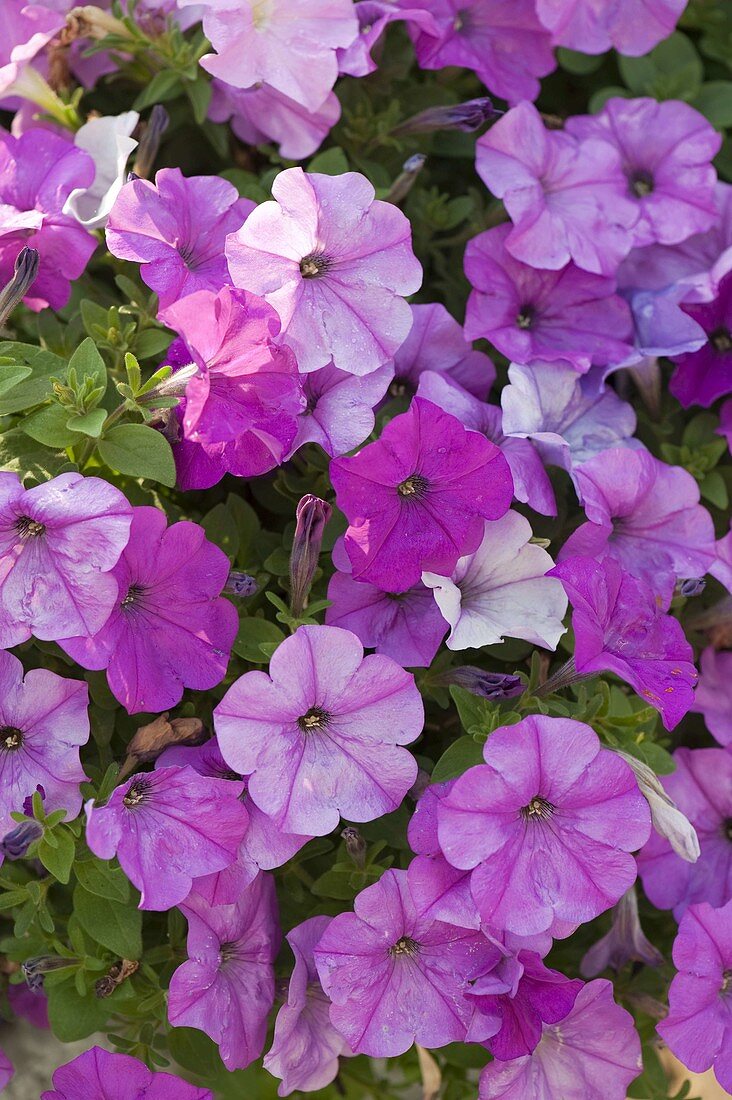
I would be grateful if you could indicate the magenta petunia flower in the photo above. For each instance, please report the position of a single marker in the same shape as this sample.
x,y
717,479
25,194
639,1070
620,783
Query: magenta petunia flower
x,y
633,27
335,263
701,787
548,795
704,375
396,977
167,828
59,542
290,47
437,343
171,628
321,736
593,1054
38,172
713,696
698,1028
646,515
563,316
226,986
567,199
246,387
416,499
43,721
666,151
24,31
261,114
176,229
374,16
619,627
306,1046
99,1074
339,413
505,45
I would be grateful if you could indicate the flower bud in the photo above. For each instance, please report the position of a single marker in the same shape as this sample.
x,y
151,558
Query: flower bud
x,y
667,818
16,843
147,150
355,846
693,586
466,116
489,685
26,269
37,966
625,942
240,584
404,182
312,515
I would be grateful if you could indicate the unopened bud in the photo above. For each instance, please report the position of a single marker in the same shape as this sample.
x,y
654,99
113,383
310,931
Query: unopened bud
x,y
147,150
625,942
466,116
667,818
240,584
355,846
26,269
489,685
694,586
16,843
35,968
312,515
404,183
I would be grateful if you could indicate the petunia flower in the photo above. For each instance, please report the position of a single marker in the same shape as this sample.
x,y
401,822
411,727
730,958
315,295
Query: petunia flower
x,y
339,414
437,343
619,627
502,590
321,736
713,697
416,499
396,977
176,228
698,1028
563,316
306,1046
374,16
171,628
43,721
108,142
59,542
25,29
168,827
593,1054
335,263
548,787
262,114
96,1071
29,1005
566,198
632,27
226,986
701,787
704,375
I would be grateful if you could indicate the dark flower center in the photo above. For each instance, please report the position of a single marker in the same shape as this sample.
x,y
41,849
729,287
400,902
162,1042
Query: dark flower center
x,y
726,982
525,317
721,340
313,266
537,810
29,528
134,592
641,183
405,946
228,951
727,828
401,387
136,794
315,719
413,486
11,738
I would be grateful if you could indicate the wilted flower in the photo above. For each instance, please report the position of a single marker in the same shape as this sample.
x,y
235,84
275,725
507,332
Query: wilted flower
x,y
667,818
312,515
624,943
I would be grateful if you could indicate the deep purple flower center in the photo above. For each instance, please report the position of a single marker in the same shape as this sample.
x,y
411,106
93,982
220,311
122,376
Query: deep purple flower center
x,y
136,794
401,387
404,946
721,340
727,828
525,317
641,183
134,592
229,951
313,720
311,267
29,528
11,738
415,486
537,810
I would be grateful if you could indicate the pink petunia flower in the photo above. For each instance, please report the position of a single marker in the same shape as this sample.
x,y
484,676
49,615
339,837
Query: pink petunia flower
x,y
96,1071
374,16
713,697
261,114
339,414
632,27
25,29
437,343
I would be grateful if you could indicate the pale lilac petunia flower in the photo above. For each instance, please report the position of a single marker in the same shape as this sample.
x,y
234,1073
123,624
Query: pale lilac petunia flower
x,y
593,1054
321,736
96,1071
548,787
698,1028
226,987
59,542
502,590
171,628
261,114
566,198
167,828
374,16
25,29
176,228
632,27
43,721
562,316
339,414
713,696
108,142
336,263
306,1046
437,343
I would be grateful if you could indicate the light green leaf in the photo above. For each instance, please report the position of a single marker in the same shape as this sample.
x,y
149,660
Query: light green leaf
x,y
99,877
11,374
462,754
333,162
116,927
151,341
253,633
673,70
139,451
58,859
90,423
714,100
37,386
86,360
49,426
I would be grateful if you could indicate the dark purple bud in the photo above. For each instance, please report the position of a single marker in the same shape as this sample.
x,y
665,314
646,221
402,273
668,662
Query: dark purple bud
x,y
28,801
240,584
26,269
35,968
693,586
147,150
312,515
489,685
355,846
16,843
404,182
467,117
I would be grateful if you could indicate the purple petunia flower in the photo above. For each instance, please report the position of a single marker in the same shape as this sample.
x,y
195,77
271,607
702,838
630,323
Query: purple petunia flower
x,y
176,228
548,792
666,150
29,1005
632,27
25,30
701,787
99,1074
593,1054
562,316
698,1028
416,499
306,1046
335,263
339,413
374,16
506,46
713,697
43,721
38,172
226,986
396,977
437,343
646,515
321,736
619,627
168,827
566,198
703,376
171,628
59,542
261,114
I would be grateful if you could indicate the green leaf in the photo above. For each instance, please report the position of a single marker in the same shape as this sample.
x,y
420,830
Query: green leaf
x,y
714,489
90,423
151,341
462,754
37,386
579,64
477,715
86,360
114,926
139,451
59,859
11,374
164,86
333,162
221,527
93,316
600,98
33,462
199,93
673,70
714,101
49,426
99,877
253,633
73,1017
